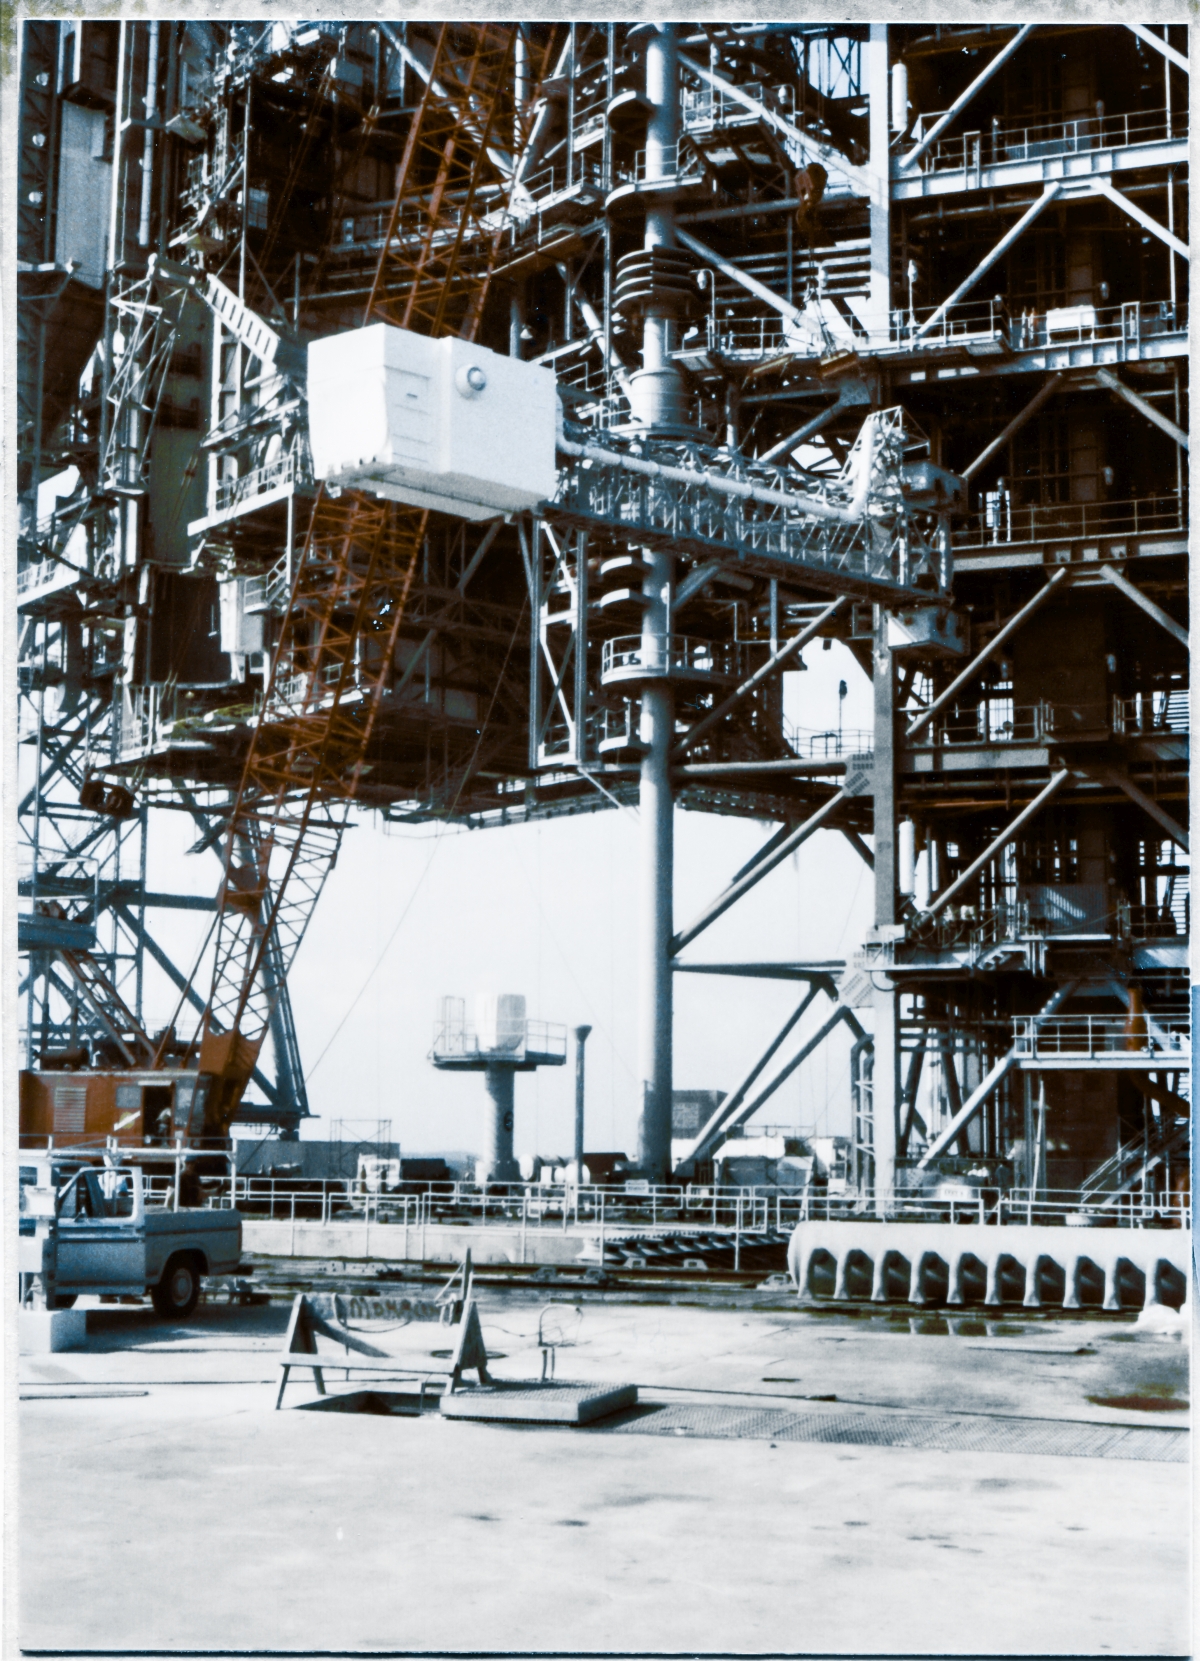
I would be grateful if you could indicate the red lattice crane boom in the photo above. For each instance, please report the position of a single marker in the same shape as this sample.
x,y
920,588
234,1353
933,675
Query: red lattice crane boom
x,y
333,662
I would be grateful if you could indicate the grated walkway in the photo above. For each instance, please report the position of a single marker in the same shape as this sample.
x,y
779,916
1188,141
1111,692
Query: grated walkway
x,y
1069,1439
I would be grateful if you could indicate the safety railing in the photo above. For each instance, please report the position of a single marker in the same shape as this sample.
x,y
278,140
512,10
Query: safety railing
x,y
289,469
744,336
639,1206
1155,922
704,108
1012,1207
1147,713
1161,1042
1038,522
268,590
557,180
982,321
1008,142
454,1041
999,721
146,715
635,655
675,163
811,745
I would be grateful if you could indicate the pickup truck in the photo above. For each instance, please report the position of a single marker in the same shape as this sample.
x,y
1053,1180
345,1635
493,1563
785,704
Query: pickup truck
x,y
90,1230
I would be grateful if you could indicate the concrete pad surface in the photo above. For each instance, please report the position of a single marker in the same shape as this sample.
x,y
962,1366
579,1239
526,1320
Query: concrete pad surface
x,y
197,1518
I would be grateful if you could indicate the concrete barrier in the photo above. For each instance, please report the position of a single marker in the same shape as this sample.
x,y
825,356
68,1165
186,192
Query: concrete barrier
x,y
907,1262
428,1243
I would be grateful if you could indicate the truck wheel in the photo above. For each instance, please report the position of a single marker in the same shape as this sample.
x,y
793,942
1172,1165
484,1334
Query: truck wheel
x,y
65,1300
178,1292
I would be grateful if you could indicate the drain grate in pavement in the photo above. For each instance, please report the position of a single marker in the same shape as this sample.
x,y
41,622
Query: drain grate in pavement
x,y
950,1435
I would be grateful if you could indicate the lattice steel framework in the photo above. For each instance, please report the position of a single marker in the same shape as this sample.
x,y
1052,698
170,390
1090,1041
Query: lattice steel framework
x,y
333,662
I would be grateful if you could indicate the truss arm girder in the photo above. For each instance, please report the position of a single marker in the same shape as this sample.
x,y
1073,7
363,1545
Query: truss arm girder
x,y
179,980
828,555
438,252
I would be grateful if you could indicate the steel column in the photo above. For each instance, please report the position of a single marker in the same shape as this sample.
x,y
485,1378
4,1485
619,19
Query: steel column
x,y
658,395
885,1093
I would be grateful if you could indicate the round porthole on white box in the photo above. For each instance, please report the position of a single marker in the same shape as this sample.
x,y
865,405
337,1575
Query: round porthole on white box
x,y
470,380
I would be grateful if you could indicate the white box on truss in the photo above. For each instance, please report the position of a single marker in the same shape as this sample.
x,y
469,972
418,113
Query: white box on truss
x,y
500,1022
437,423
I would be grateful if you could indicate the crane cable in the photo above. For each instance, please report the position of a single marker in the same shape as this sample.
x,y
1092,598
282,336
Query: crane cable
x,y
443,828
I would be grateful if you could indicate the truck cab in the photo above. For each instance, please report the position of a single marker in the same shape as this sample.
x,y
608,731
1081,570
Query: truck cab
x,y
89,1229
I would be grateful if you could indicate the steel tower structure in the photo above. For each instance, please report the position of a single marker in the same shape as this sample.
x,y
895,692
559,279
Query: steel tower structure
x,y
874,335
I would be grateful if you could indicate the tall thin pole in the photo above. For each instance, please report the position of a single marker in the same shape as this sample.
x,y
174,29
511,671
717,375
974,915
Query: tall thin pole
x,y
581,1036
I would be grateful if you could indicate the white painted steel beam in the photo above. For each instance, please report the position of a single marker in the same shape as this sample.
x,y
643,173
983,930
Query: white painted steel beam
x,y
1013,828
752,286
1044,392
1143,407
949,1135
1131,592
788,650
1104,187
986,264
1148,805
743,886
719,1120
1159,45
964,98
989,651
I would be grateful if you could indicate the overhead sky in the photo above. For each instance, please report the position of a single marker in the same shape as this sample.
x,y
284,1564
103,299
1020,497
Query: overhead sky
x,y
549,910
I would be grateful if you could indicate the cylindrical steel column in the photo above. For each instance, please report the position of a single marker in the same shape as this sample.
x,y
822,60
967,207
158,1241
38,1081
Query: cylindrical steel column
x,y
581,1037
498,1164
658,399
656,920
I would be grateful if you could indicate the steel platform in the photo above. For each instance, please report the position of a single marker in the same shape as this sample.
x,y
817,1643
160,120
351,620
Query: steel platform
x,y
551,1403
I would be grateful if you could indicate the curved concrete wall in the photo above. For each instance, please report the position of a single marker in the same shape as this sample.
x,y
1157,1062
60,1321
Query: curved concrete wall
x,y
907,1260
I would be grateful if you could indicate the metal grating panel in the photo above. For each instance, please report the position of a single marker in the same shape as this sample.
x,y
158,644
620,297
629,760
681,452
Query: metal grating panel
x,y
949,1435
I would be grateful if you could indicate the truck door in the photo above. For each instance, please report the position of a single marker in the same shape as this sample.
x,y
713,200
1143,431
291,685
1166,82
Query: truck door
x,y
101,1241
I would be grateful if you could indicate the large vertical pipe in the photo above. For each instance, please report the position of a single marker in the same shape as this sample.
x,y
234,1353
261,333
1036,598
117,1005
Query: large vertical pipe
x,y
656,830
498,1162
878,91
663,388
516,302
148,140
886,1070
885,1075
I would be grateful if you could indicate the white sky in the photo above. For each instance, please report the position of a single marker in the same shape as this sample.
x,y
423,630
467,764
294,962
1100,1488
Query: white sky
x,y
549,910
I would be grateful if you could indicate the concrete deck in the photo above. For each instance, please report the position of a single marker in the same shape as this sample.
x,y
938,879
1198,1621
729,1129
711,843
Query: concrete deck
x,y
189,1515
